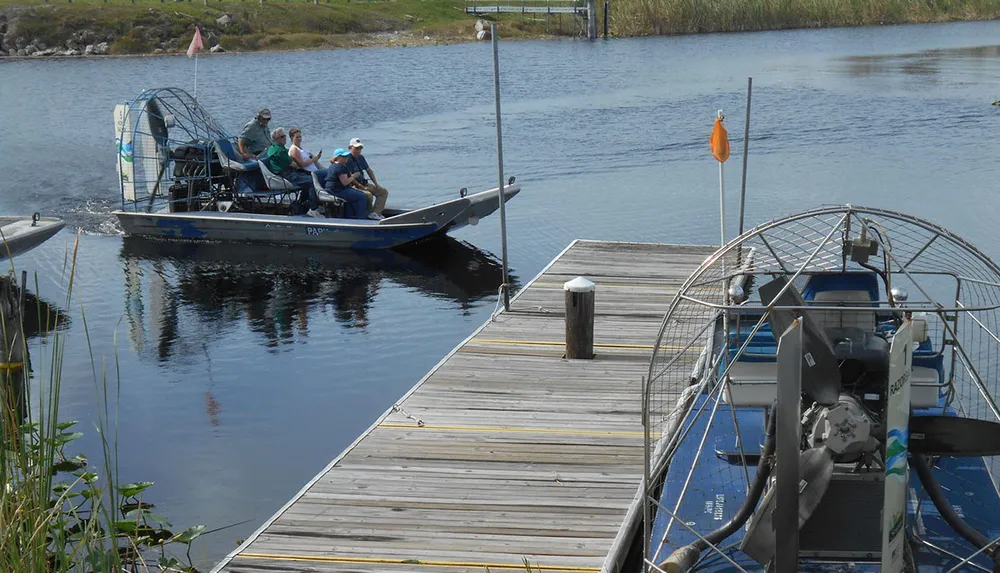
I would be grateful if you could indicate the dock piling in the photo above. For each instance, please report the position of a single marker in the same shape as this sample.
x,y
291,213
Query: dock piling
x,y
606,9
591,19
579,318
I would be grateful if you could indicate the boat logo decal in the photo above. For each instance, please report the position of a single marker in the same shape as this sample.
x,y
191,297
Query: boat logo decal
x,y
895,452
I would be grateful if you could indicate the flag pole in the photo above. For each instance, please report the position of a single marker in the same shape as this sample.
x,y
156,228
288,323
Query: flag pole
x,y
722,195
196,75
503,219
196,45
746,148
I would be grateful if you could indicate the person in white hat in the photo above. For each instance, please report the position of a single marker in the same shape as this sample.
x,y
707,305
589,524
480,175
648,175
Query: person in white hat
x,y
377,195
255,139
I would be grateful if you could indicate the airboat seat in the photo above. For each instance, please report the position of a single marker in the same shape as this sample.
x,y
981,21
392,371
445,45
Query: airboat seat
x,y
850,291
756,384
319,184
275,182
228,157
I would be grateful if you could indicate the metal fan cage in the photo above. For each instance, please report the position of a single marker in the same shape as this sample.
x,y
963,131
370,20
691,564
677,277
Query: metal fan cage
x,y
149,132
947,278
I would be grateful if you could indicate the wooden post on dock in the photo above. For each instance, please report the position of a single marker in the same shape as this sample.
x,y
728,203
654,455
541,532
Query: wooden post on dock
x,y
579,318
13,362
591,19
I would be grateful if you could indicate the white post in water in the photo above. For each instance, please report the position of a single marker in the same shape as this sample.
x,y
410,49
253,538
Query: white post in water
x,y
503,216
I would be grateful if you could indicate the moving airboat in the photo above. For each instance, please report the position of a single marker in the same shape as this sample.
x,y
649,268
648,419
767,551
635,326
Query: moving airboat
x,y
822,397
21,234
180,177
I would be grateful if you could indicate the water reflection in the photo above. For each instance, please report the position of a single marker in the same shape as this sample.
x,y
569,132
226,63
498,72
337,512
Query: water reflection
x,y
41,317
276,290
921,63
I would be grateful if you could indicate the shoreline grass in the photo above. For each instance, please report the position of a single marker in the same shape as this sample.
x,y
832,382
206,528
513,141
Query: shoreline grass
x,y
57,513
668,17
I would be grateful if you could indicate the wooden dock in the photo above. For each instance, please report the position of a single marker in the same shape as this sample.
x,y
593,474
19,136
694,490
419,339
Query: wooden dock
x,y
505,452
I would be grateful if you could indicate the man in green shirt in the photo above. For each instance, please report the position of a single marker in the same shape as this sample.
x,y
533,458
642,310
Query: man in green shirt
x,y
280,163
254,138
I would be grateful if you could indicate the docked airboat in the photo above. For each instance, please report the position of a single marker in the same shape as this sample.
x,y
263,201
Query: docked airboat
x,y
180,177
799,375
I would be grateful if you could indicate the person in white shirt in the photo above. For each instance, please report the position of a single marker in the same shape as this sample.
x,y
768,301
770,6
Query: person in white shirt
x,y
301,156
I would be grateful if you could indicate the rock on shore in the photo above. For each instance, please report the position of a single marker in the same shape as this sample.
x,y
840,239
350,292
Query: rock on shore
x,y
157,34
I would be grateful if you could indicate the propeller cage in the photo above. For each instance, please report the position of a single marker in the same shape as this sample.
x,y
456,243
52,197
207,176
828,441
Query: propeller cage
x,y
851,277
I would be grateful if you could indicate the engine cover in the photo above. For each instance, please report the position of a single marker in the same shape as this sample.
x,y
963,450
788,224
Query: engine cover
x,y
845,428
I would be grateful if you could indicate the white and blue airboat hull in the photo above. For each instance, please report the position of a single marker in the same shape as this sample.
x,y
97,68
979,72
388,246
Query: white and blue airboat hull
x,y
21,234
399,228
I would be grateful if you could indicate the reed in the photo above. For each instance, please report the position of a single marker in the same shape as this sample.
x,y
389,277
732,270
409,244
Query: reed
x,y
660,17
60,513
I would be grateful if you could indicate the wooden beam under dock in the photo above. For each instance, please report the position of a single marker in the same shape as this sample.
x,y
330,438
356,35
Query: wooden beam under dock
x,y
505,452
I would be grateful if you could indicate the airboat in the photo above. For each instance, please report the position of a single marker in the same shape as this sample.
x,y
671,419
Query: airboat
x,y
822,397
21,234
180,177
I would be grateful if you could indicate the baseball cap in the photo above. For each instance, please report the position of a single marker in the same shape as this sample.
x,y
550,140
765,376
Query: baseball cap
x,y
341,152
264,113
356,142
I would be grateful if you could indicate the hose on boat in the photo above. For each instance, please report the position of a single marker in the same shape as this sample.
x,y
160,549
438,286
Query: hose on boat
x,y
684,558
947,512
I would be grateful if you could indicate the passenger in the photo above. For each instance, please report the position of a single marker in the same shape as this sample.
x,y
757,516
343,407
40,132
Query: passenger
x,y
339,182
302,157
280,163
377,195
254,140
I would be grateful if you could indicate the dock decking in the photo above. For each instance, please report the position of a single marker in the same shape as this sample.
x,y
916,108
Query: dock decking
x,y
505,451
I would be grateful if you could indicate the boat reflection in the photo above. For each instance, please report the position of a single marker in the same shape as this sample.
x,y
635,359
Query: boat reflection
x,y
274,288
40,317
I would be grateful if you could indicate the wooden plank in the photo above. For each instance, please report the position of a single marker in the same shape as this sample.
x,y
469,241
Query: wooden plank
x,y
506,451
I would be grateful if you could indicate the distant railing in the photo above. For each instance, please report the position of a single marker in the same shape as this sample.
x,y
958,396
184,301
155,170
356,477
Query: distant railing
x,y
484,7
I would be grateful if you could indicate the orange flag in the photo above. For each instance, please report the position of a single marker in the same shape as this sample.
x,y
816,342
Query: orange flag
x,y
196,43
719,141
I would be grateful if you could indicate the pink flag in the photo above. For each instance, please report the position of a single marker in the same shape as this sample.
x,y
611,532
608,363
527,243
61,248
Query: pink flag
x,y
196,43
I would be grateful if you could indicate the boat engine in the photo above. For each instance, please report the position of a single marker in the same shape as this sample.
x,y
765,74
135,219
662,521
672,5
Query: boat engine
x,y
853,428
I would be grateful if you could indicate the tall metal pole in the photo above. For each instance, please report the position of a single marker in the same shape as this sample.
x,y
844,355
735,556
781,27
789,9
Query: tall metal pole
x,y
746,147
503,216
722,201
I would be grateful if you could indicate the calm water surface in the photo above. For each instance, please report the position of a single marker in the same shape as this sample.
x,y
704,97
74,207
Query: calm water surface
x,y
244,370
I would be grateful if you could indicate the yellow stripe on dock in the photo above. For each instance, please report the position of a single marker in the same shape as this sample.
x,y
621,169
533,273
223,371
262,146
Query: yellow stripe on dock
x,y
548,343
429,563
500,430
666,287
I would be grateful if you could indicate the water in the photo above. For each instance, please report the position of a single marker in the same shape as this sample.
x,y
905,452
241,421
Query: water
x,y
244,370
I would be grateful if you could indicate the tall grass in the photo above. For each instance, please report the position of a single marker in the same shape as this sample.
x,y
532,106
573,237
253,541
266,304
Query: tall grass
x,y
60,513
656,17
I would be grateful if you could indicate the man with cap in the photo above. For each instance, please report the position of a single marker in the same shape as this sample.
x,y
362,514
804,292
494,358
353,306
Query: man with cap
x,y
340,183
377,195
255,139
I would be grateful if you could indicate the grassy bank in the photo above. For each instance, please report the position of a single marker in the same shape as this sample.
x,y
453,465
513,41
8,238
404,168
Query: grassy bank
x,y
156,26
654,17
150,26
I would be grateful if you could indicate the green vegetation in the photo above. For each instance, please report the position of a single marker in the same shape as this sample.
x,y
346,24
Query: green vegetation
x,y
149,26
165,26
60,513
651,17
